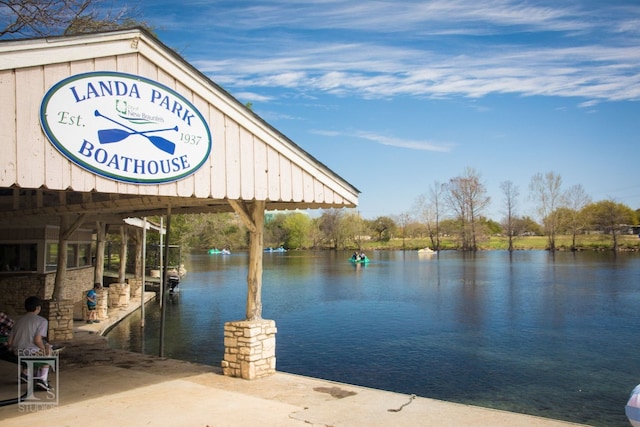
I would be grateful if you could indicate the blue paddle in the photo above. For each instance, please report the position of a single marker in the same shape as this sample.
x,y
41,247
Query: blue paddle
x,y
107,136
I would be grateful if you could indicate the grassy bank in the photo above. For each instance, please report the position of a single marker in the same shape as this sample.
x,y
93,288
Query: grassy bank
x,y
588,242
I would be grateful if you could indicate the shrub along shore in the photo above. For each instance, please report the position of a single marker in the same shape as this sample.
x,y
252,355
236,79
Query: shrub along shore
x,y
592,242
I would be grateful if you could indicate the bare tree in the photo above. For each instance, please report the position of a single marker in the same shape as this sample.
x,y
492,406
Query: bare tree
x,y
428,208
435,197
466,195
511,193
40,18
546,191
402,220
575,199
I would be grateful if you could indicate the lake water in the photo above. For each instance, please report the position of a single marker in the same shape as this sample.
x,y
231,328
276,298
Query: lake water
x,y
531,332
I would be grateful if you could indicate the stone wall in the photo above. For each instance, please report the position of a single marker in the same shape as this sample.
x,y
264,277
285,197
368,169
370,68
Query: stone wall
x,y
76,284
249,349
16,288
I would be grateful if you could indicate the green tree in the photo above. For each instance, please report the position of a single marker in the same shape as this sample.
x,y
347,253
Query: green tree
x,y
491,226
330,224
610,217
208,230
383,227
297,226
315,234
355,228
275,232
416,230
449,227
526,226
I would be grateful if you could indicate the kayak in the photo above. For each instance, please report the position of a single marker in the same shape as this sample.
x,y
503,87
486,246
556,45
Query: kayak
x,y
218,251
359,260
280,249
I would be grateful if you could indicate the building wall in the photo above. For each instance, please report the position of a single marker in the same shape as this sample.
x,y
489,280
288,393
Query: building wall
x,y
16,288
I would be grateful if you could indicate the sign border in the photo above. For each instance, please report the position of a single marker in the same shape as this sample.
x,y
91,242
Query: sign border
x,y
65,152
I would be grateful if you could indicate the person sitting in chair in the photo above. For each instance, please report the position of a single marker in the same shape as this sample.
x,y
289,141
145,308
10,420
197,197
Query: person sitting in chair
x,y
28,339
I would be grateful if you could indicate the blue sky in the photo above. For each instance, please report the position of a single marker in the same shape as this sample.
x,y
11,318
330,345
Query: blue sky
x,y
396,95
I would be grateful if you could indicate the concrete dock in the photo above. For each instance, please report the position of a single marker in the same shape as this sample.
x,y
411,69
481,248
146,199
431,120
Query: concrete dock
x,y
98,386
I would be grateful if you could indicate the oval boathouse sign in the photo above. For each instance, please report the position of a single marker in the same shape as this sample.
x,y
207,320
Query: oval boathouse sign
x,y
125,127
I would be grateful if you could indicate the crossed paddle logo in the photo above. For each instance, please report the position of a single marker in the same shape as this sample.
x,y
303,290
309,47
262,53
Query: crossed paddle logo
x,y
109,136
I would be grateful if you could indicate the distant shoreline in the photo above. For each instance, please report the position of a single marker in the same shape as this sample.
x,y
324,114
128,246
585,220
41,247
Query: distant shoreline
x,y
590,242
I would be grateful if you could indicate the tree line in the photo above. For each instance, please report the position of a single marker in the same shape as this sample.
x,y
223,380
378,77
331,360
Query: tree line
x,y
455,209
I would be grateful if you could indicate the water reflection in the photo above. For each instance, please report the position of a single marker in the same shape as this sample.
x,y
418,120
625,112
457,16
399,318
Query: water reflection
x,y
527,332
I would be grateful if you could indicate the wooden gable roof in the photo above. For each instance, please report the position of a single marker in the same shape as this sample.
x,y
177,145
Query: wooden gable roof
x,y
249,159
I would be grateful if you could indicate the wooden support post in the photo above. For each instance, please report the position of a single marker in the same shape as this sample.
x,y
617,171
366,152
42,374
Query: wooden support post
x,y
98,272
250,345
253,216
124,239
65,232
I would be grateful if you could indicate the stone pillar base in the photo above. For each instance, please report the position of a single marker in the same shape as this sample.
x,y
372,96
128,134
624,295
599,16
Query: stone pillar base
x,y
249,349
60,317
136,287
103,303
119,295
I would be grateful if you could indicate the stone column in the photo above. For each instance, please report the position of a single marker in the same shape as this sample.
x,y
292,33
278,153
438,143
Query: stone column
x,y
136,287
102,306
119,295
249,349
60,316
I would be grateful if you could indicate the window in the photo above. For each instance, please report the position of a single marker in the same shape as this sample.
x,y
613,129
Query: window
x,y
18,257
78,255
51,257
84,251
72,255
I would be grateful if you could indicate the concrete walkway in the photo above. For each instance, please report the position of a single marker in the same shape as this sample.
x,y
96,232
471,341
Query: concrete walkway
x,y
98,386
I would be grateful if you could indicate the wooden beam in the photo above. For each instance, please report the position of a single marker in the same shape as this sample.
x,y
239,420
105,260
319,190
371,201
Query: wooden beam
x,y
240,207
73,227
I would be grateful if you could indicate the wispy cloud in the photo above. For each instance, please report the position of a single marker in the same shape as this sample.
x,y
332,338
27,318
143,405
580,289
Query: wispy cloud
x,y
422,145
438,48
252,97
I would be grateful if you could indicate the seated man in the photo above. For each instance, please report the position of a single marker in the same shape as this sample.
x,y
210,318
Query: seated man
x,y
28,339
